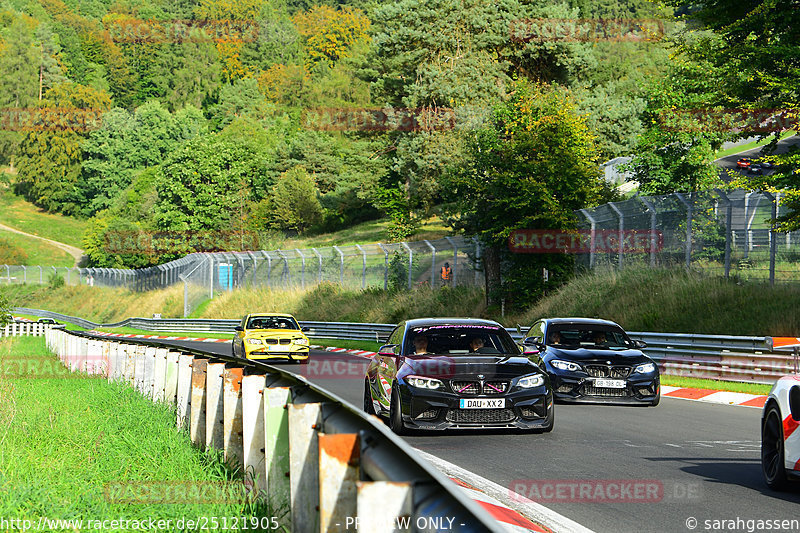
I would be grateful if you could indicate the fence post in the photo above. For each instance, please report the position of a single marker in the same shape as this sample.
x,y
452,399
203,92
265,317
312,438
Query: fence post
x,y
341,265
773,238
319,257
184,388
621,239
455,259
650,207
385,266
363,266
728,229
24,274
433,263
302,268
688,205
410,262
592,243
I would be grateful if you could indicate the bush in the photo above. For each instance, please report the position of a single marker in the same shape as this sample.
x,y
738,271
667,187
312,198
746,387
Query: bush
x,y
56,282
5,311
12,255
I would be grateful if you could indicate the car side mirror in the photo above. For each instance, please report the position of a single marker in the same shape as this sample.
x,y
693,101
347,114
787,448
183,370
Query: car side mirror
x,y
530,350
639,344
304,329
239,328
388,349
532,341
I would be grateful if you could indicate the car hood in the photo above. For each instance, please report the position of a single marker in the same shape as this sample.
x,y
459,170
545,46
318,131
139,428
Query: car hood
x,y
468,366
274,333
585,355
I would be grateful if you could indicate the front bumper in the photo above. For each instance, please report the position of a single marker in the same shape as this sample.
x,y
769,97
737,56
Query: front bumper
x,y
571,387
289,351
440,410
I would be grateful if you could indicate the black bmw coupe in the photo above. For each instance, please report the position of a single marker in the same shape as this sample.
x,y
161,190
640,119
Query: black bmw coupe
x,y
592,360
442,373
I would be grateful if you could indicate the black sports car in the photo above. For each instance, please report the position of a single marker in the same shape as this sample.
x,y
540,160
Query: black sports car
x,y
442,373
591,360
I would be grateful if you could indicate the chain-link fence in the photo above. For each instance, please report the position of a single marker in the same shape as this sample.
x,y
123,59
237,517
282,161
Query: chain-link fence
x,y
450,261
723,232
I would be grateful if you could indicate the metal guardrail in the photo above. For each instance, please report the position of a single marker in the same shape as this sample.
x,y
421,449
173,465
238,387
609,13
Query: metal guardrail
x,y
733,358
320,459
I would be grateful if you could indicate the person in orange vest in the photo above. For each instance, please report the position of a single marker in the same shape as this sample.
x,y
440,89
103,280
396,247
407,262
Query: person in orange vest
x,y
447,274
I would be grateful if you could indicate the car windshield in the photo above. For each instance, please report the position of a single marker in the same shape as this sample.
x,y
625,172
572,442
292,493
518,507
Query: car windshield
x,y
591,337
460,340
272,322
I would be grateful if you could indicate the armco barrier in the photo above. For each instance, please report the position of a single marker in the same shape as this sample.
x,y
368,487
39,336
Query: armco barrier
x,y
317,458
733,358
21,328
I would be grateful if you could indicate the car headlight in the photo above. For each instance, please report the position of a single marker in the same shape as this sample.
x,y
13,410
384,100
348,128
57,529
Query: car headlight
x,y
424,383
645,368
254,341
303,342
529,382
565,365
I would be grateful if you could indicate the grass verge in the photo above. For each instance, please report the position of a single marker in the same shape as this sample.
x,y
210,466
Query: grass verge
x,y
77,448
23,215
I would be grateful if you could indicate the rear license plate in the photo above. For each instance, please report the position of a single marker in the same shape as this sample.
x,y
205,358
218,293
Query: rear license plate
x,y
482,403
610,383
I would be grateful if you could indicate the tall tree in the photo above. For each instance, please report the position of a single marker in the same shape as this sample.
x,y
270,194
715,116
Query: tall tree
x,y
530,169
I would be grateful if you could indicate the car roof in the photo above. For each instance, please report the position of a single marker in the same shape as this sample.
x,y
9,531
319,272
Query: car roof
x,y
254,315
418,322
579,320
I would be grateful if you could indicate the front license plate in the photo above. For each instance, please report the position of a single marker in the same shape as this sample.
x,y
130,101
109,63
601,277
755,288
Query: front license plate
x,y
274,347
610,383
483,403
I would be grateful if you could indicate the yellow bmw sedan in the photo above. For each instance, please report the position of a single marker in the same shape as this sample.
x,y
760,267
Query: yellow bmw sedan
x,y
270,336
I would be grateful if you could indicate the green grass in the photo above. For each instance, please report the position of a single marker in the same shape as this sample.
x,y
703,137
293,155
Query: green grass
x,y
347,343
749,146
202,334
675,301
64,440
23,215
368,232
36,252
714,384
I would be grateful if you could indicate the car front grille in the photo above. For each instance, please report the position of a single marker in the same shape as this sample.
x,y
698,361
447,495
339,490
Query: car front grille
x,y
480,416
471,387
590,390
605,371
286,341
271,341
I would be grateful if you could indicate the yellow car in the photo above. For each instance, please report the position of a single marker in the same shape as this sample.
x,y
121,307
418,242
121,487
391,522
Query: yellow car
x,y
270,336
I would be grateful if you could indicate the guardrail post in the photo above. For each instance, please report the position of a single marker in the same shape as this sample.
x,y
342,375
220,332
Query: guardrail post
x,y
339,458
115,362
304,420
232,416
383,506
171,377
215,418
184,390
276,449
253,432
197,412
138,372
149,371
159,374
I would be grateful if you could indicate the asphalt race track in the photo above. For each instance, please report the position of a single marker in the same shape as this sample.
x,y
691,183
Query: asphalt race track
x,y
704,459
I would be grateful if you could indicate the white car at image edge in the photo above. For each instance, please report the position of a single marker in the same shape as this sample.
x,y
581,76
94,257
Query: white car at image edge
x,y
780,424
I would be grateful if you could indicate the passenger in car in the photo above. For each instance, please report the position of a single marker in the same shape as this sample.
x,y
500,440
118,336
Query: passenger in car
x,y
421,344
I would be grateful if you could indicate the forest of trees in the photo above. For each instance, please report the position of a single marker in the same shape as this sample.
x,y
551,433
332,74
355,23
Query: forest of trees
x,y
199,129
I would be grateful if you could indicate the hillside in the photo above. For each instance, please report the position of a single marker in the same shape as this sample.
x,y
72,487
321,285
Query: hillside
x,y
671,301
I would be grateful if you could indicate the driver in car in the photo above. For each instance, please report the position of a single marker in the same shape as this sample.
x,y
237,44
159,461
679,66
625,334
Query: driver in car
x,y
421,344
